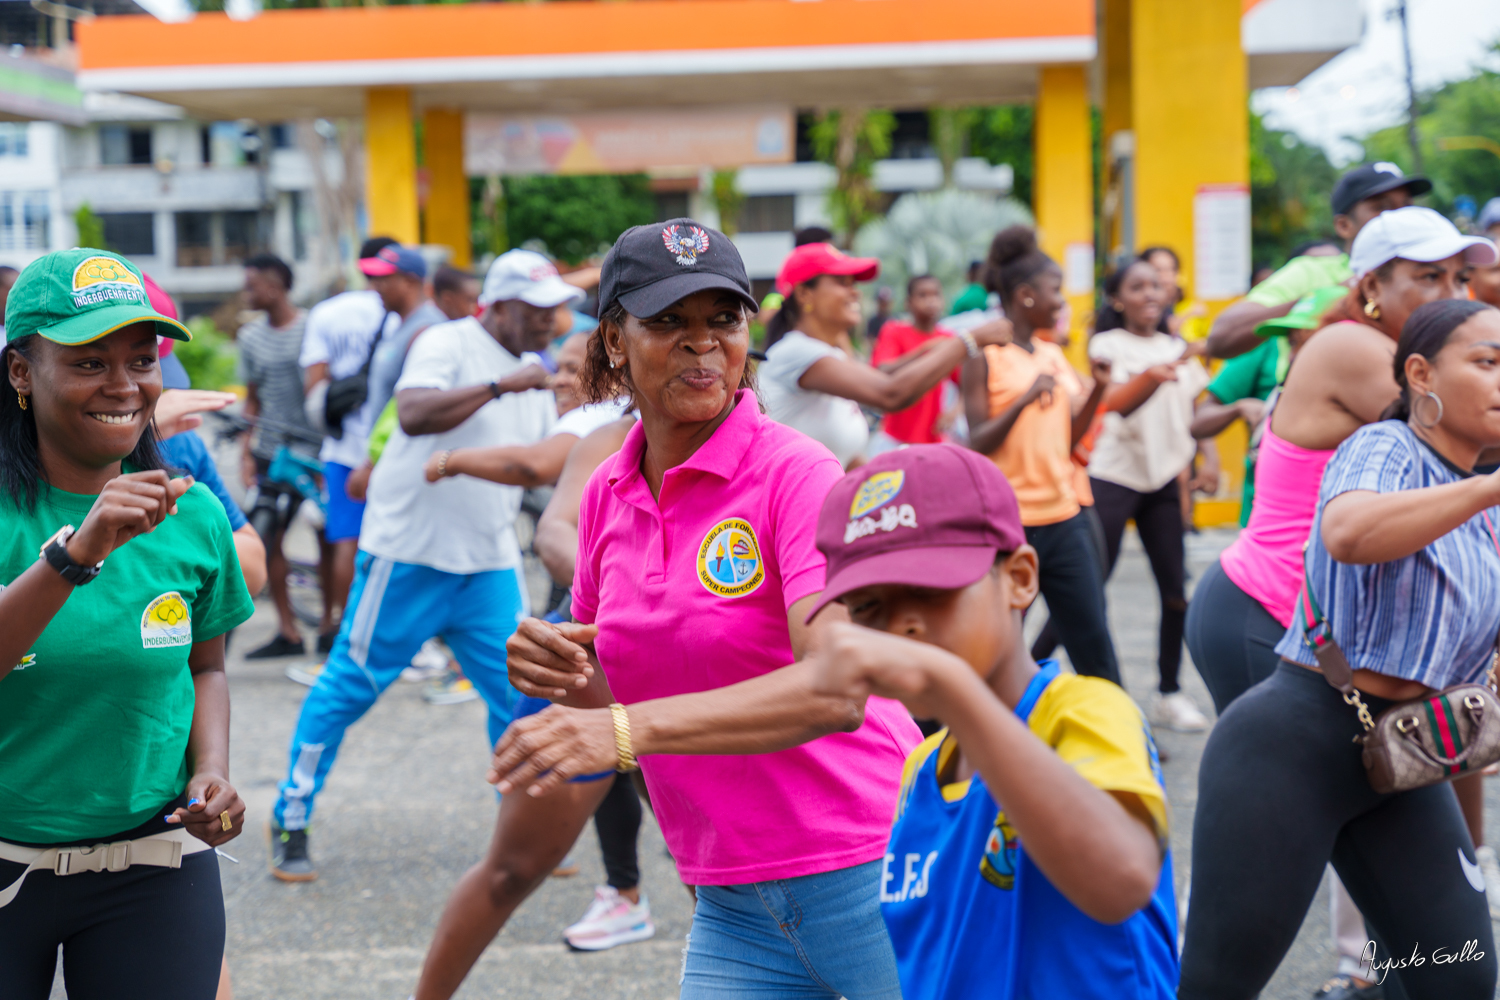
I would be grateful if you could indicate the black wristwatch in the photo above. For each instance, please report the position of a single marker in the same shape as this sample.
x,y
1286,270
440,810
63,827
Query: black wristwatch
x,y
495,390
55,551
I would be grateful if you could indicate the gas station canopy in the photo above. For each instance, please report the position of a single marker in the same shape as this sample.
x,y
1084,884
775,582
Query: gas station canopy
x,y
563,57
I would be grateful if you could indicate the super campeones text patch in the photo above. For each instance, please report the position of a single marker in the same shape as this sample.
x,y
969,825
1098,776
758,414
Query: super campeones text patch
x,y
729,560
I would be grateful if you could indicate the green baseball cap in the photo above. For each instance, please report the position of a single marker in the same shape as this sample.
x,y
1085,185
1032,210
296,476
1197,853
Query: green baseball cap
x,y
1307,314
78,296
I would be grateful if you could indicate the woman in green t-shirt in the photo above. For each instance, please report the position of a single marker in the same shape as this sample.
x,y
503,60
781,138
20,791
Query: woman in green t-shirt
x,y
114,709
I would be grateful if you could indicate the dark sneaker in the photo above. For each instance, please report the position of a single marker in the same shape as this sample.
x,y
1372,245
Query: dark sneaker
x,y
289,860
279,646
325,641
1343,988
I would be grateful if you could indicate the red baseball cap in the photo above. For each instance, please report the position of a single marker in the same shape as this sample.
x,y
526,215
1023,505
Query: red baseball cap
x,y
929,515
814,259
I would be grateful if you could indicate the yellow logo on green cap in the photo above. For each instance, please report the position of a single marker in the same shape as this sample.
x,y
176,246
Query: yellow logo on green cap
x,y
104,279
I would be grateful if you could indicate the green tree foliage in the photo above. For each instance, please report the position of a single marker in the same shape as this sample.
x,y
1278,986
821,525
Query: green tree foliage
x,y
852,141
1290,184
1466,109
210,357
576,217
728,199
90,228
1002,134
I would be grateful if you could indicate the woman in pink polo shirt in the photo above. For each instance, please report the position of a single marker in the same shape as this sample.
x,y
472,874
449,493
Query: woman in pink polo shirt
x,y
696,569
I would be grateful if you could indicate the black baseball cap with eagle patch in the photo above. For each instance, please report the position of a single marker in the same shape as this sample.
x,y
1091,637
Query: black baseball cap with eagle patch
x,y
651,267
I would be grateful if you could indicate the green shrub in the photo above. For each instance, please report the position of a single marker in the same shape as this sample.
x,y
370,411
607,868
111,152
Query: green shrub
x,y
211,359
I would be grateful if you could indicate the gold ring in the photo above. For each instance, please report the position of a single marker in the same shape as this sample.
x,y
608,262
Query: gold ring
x,y
224,819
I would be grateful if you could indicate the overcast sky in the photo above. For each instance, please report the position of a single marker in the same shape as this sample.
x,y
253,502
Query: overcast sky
x,y
1363,89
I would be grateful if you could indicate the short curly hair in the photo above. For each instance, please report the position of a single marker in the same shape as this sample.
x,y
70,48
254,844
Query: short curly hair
x,y
599,383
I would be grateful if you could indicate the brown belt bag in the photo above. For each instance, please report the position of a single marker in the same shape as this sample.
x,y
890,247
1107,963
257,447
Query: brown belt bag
x,y
1413,743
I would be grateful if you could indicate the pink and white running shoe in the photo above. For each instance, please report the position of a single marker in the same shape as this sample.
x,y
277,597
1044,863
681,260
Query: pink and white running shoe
x,y
611,919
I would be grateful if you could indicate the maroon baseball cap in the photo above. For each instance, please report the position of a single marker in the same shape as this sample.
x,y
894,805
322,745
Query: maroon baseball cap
x,y
812,260
929,515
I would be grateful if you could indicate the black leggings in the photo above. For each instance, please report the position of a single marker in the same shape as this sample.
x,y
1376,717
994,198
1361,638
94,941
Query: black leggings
x,y
138,934
1158,520
1231,636
1050,637
1281,792
1074,588
617,821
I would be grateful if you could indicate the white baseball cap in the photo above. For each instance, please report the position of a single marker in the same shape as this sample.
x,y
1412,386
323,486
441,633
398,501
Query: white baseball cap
x,y
1415,233
528,276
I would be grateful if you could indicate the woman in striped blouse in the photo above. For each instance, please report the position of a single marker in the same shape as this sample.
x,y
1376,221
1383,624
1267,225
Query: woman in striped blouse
x,y
1405,564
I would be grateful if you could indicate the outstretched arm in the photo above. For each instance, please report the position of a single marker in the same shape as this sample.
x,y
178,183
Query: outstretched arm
x,y
1233,330
433,411
1363,527
515,465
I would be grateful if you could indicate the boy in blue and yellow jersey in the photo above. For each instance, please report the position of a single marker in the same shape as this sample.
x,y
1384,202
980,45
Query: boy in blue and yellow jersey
x,y
1028,858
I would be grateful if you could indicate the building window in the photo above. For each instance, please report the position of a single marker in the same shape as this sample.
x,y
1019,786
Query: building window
x,y
25,220
671,205
130,233
195,246
121,145
216,239
13,136
768,213
243,236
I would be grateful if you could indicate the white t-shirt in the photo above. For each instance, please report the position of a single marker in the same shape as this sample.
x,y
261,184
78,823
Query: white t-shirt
x,y
584,420
462,524
835,422
1147,449
339,333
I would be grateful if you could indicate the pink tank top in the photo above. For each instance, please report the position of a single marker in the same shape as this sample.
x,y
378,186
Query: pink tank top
x,y
1266,560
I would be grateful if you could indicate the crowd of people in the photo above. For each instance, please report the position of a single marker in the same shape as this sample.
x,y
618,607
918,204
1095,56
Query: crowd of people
x,y
789,593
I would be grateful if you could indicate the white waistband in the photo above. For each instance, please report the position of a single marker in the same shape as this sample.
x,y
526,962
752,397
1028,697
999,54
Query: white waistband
x,y
161,850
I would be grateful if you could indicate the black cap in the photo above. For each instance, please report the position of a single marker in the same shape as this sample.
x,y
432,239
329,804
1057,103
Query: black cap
x,y
374,245
1372,179
651,267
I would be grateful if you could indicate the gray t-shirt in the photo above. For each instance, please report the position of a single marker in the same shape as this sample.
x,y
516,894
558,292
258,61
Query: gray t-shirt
x,y
390,356
268,361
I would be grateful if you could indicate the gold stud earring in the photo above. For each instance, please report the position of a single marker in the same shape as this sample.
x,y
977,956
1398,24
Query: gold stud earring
x,y
1371,309
22,400
1028,302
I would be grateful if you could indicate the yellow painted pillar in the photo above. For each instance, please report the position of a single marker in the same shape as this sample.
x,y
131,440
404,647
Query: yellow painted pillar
x,y
1192,155
391,164
446,221
1114,66
1189,115
1063,190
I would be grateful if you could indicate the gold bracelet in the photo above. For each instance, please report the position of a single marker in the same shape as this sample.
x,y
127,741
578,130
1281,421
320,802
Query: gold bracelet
x,y
443,463
622,739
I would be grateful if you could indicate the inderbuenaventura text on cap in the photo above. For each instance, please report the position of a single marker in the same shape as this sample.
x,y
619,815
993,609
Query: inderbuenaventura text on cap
x,y
928,515
78,296
651,267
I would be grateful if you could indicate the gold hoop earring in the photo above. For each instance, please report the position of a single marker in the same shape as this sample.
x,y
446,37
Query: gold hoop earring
x,y
1371,309
1436,420
22,400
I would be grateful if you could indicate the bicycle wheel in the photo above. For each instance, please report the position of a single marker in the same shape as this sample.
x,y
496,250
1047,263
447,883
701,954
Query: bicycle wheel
x,y
305,592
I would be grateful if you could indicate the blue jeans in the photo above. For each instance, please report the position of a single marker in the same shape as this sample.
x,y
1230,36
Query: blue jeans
x,y
393,608
814,936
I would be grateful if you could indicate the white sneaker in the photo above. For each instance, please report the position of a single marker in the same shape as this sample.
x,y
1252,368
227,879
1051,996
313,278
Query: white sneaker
x,y
611,919
305,673
1177,712
1490,866
430,663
